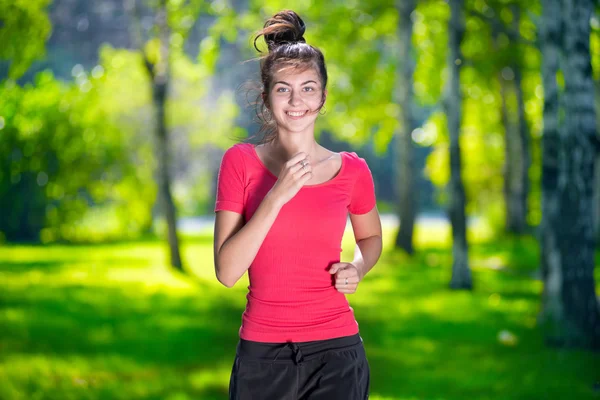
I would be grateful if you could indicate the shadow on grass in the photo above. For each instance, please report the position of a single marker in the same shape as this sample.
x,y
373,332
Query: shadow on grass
x,y
111,339
426,341
143,338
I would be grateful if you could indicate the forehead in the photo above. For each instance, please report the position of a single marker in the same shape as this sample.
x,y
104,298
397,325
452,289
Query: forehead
x,y
295,75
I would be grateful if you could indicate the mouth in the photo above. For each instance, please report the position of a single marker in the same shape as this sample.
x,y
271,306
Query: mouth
x,y
296,114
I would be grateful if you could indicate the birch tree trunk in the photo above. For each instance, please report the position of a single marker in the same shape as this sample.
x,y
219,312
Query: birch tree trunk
x,y
570,311
404,164
575,229
461,273
550,37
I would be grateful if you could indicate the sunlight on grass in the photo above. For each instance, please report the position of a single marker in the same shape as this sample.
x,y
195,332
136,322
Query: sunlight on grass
x,y
114,322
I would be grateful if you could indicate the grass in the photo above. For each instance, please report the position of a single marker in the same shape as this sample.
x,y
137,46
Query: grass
x,y
112,322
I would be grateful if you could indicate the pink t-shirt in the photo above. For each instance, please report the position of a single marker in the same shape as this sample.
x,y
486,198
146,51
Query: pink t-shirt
x,y
291,296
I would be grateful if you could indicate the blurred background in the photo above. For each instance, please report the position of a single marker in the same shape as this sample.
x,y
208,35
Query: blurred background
x,y
478,119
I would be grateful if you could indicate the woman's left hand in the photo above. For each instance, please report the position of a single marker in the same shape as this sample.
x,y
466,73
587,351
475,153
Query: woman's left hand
x,y
346,277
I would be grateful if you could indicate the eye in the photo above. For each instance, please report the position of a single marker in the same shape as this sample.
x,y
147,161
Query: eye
x,y
309,89
281,89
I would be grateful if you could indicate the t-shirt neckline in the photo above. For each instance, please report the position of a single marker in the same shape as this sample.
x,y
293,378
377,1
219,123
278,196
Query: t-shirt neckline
x,y
332,180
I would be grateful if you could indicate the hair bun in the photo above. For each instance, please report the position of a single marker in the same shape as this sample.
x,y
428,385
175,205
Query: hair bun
x,y
285,27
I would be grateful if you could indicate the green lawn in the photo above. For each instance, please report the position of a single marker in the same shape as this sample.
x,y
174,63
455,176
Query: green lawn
x,y
112,322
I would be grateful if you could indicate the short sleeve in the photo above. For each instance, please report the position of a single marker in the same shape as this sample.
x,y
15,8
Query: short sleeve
x,y
230,182
363,193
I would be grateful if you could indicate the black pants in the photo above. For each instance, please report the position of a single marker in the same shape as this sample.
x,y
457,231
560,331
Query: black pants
x,y
325,369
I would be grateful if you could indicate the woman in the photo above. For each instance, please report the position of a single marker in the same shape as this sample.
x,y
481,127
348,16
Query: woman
x,y
281,211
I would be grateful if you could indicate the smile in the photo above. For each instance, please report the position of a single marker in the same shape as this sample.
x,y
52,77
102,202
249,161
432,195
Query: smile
x,y
296,114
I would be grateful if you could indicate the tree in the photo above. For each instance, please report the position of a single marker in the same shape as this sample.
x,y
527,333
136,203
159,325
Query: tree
x,y
24,29
507,64
517,158
516,219
461,273
159,74
570,312
405,169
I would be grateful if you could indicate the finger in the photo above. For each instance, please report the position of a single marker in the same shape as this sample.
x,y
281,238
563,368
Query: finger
x,y
347,290
334,268
296,158
346,272
341,283
298,170
346,281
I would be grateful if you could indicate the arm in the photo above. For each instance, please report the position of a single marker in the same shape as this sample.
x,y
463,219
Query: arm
x,y
236,244
367,232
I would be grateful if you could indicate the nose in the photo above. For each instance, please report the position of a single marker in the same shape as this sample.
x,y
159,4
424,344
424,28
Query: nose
x,y
295,98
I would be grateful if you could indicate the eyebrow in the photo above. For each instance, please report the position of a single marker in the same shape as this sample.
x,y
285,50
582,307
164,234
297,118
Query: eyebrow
x,y
303,83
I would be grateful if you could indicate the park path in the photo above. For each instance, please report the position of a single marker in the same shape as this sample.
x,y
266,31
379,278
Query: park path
x,y
193,225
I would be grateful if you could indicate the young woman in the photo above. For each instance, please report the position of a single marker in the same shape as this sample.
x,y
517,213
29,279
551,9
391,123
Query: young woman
x,y
281,211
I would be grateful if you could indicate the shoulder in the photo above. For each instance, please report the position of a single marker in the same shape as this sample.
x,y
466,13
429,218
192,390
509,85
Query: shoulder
x,y
239,149
237,153
235,159
355,163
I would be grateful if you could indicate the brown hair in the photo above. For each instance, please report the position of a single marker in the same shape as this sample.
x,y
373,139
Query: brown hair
x,y
284,35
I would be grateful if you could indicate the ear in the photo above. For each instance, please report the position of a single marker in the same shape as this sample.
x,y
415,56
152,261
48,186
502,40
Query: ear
x,y
324,96
265,99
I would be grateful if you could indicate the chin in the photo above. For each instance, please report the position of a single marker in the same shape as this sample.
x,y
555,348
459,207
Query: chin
x,y
298,127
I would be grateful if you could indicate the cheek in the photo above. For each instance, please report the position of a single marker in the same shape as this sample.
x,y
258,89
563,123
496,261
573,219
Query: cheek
x,y
314,102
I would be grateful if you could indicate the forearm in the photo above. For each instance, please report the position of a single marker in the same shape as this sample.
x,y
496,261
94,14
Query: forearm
x,y
366,254
237,253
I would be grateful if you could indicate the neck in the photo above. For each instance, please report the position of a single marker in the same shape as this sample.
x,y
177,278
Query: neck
x,y
287,144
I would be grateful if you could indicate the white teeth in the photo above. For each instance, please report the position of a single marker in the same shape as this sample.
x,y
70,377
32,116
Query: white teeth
x,y
296,114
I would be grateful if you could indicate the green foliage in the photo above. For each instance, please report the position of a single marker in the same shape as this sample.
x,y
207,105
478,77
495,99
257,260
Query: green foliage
x,y
196,118
62,156
24,29
595,44
430,42
112,102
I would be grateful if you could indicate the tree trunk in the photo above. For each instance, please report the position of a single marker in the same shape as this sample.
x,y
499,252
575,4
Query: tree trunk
x,y
160,73
516,145
597,170
511,144
576,229
461,273
550,36
405,170
570,311
518,224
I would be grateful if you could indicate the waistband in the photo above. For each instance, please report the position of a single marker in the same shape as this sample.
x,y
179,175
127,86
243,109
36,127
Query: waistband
x,y
295,352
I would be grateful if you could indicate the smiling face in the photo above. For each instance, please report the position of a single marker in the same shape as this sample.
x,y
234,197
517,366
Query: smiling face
x,y
295,99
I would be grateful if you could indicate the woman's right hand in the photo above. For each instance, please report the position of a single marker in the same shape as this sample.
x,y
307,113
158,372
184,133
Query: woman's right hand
x,y
291,178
